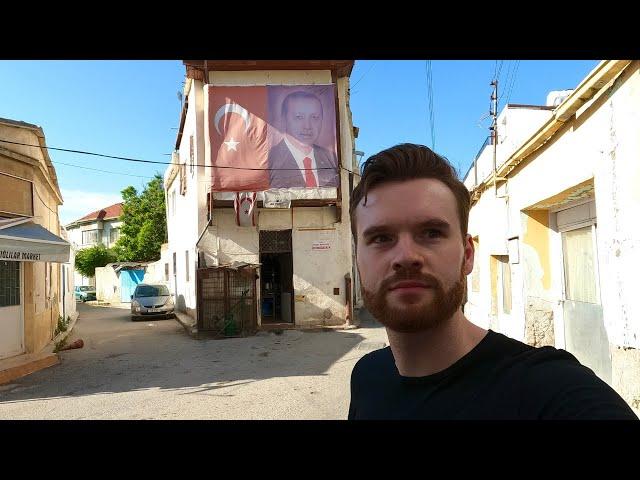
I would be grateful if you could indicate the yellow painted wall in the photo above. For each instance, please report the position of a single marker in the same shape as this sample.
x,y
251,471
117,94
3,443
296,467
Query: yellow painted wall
x,y
40,302
536,235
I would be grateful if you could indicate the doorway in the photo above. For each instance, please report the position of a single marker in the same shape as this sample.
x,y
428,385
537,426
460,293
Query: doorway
x,y
11,309
276,277
584,330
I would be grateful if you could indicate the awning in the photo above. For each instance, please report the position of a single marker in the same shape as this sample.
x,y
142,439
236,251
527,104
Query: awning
x,y
25,241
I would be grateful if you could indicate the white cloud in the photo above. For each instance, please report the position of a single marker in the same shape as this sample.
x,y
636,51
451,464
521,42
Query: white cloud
x,y
78,203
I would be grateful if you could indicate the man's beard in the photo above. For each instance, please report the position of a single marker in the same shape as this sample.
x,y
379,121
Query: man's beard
x,y
419,317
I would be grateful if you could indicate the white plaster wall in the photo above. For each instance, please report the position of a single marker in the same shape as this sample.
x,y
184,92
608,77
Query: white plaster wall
x,y
225,242
603,144
107,285
182,223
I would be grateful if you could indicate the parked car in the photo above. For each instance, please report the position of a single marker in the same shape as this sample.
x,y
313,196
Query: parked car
x,y
85,292
148,300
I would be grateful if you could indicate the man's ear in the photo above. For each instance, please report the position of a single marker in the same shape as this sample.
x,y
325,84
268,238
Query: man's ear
x,y
469,254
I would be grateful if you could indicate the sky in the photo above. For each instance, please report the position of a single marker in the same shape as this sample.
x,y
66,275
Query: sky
x,y
131,108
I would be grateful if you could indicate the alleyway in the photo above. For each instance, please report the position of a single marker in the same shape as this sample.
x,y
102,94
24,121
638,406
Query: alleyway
x,y
154,370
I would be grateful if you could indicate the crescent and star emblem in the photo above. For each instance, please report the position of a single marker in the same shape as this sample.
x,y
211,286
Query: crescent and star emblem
x,y
231,108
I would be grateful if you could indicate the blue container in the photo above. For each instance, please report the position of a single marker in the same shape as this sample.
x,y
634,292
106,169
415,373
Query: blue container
x,y
267,307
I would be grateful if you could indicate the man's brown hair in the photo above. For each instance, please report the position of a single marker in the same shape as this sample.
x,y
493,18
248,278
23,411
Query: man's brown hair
x,y
408,161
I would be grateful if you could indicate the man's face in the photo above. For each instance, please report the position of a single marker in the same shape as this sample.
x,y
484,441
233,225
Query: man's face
x,y
411,256
304,119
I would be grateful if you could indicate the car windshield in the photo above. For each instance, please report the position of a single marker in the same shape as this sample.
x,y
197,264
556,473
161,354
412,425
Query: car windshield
x,y
151,291
85,288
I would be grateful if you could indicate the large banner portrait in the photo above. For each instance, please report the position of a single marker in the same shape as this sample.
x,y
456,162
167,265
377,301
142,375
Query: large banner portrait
x,y
272,137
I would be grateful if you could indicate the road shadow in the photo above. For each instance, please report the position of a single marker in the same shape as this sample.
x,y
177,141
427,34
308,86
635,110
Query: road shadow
x,y
124,356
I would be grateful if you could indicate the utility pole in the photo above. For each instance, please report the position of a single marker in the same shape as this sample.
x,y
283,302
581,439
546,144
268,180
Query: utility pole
x,y
494,130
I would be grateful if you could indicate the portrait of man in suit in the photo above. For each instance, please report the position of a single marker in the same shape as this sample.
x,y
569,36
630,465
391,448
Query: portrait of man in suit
x,y
297,160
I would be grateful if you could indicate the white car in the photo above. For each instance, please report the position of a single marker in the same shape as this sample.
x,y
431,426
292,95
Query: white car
x,y
151,300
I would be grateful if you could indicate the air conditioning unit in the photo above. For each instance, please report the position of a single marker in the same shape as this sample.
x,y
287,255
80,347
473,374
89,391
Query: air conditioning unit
x,y
556,97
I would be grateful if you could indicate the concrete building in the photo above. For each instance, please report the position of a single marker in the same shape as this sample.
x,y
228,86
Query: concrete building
x,y
555,225
300,244
101,226
36,262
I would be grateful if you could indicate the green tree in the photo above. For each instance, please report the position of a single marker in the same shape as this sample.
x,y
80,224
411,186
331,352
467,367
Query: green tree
x,y
144,223
88,259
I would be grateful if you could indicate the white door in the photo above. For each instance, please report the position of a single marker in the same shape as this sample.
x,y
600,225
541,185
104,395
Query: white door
x,y
585,334
11,310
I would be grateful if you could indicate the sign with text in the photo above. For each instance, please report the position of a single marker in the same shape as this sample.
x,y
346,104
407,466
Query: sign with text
x,y
18,251
277,199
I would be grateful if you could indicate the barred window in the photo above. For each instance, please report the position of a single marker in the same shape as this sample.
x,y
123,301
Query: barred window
x,y
9,283
114,235
90,237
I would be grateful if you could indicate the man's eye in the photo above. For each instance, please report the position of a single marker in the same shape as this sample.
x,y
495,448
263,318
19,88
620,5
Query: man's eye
x,y
432,233
380,239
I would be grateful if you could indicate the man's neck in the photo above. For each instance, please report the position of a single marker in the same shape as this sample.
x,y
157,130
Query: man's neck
x,y
303,147
425,353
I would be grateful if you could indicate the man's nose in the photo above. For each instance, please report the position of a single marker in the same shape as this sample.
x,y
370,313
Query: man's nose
x,y
407,255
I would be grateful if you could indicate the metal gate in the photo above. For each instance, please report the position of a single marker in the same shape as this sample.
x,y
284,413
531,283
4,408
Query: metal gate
x,y
129,280
227,301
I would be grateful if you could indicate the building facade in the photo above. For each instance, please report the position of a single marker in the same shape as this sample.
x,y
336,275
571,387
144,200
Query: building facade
x,y
99,227
36,262
298,238
555,230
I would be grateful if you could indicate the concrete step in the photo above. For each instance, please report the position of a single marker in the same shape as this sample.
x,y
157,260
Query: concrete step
x,y
21,365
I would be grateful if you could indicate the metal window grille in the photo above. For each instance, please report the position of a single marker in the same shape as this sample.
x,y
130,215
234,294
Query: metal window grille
x,y
9,283
275,241
90,237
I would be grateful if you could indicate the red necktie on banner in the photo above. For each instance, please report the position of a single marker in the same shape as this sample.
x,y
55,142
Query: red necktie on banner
x,y
308,173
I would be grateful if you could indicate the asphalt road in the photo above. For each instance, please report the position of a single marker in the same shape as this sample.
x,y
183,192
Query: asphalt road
x,y
154,370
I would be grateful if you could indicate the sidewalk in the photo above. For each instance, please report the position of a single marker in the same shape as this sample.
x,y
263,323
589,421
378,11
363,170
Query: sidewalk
x,y
191,325
27,363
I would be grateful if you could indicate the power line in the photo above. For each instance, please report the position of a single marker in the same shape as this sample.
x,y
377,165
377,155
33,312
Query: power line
x,y
513,80
500,69
365,73
157,162
151,177
429,72
98,170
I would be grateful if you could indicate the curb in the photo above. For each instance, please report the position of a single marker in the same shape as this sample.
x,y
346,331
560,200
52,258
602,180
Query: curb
x,y
188,323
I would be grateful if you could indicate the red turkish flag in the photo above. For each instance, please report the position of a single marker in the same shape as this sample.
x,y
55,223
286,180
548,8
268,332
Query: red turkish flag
x,y
237,119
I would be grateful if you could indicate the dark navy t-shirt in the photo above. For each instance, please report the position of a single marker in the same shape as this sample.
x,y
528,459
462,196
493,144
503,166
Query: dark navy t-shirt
x,y
500,379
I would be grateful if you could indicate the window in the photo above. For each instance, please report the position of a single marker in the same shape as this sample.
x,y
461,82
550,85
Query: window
x,y
166,271
580,269
173,202
191,155
174,264
506,284
90,237
9,283
186,264
183,178
114,234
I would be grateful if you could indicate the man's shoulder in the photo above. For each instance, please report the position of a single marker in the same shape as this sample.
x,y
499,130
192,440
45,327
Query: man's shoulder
x,y
322,153
278,147
568,389
376,361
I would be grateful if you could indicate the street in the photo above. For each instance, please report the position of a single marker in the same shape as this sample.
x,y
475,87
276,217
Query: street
x,y
153,370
